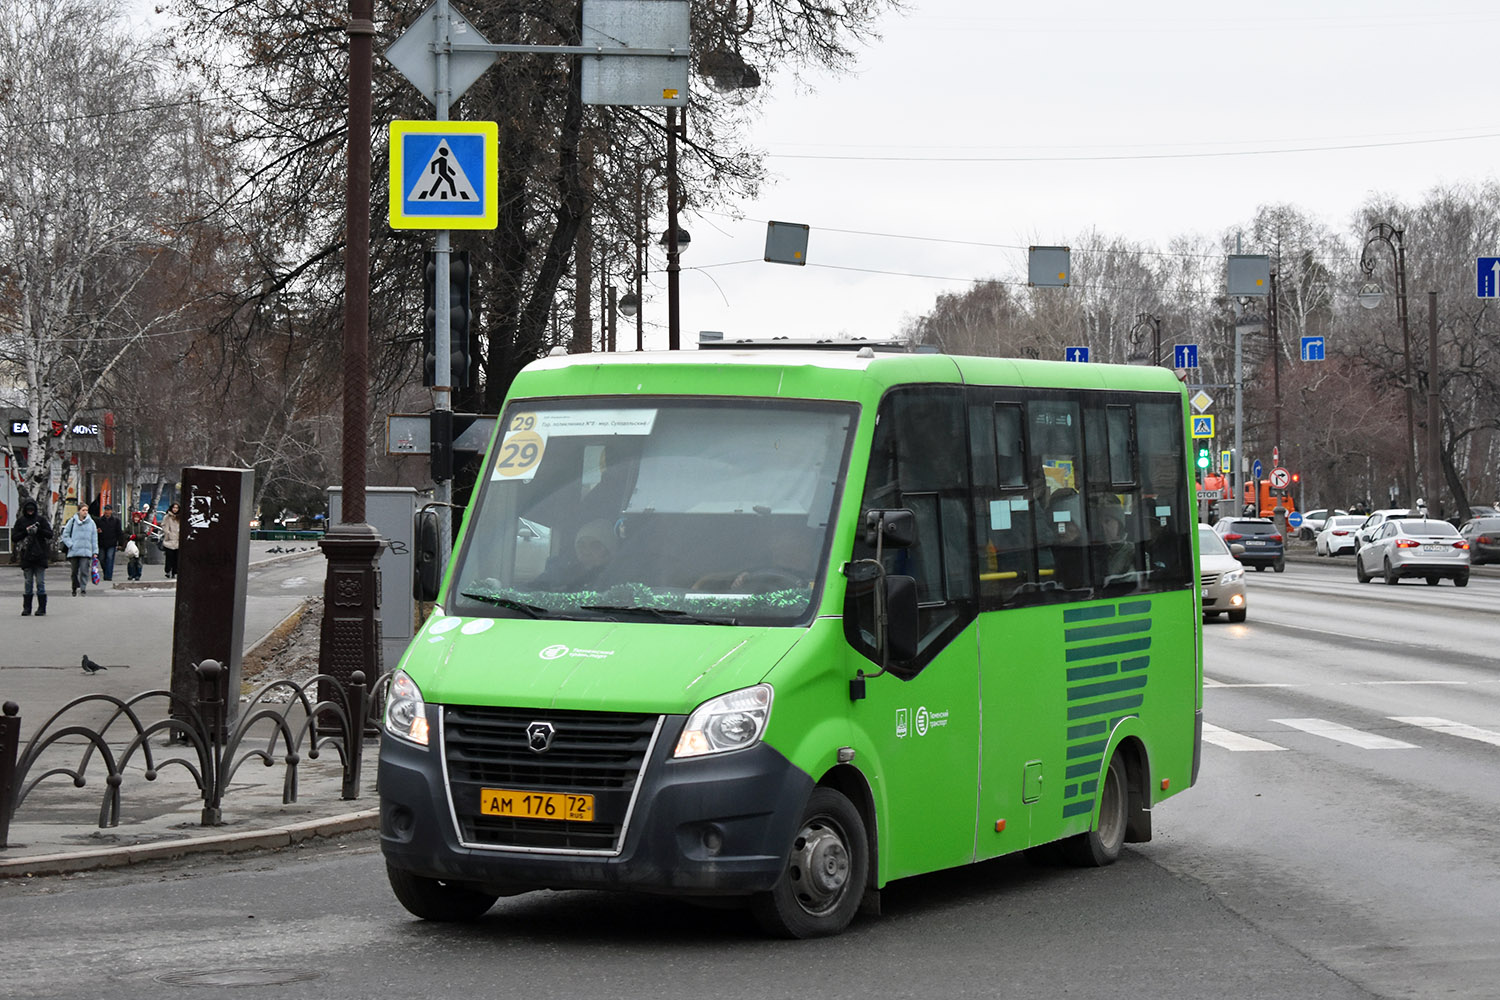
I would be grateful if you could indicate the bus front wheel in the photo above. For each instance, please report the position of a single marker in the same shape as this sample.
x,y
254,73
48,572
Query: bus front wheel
x,y
434,899
1102,845
823,882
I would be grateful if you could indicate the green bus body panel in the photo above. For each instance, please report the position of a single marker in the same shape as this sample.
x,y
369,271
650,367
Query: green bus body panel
x,y
619,666
946,753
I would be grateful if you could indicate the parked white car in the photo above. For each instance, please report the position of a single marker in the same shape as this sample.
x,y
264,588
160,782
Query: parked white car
x,y
1375,520
1337,536
1313,521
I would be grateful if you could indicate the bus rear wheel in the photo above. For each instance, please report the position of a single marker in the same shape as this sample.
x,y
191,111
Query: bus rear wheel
x,y
821,887
438,900
1102,845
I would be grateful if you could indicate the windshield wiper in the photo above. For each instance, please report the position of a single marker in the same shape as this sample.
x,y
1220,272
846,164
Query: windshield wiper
x,y
530,610
662,614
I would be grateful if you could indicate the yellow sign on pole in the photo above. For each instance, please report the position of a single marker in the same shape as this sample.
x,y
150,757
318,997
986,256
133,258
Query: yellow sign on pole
x,y
445,175
1203,425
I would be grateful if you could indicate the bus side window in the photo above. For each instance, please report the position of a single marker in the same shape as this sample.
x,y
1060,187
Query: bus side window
x,y
919,460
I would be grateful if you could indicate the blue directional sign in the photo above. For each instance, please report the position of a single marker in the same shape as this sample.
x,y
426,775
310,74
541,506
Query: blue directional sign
x,y
1294,519
1185,356
1489,277
1075,354
444,175
1312,348
1255,469
1203,425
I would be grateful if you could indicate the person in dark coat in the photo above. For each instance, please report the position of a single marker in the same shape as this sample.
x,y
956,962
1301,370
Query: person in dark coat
x,y
111,533
30,540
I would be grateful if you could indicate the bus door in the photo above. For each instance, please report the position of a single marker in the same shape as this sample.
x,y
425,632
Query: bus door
x,y
923,717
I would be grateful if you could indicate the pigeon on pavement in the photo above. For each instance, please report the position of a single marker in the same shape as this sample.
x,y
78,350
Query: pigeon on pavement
x,y
90,666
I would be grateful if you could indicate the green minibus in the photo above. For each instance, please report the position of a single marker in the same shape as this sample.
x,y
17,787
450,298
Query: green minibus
x,y
784,626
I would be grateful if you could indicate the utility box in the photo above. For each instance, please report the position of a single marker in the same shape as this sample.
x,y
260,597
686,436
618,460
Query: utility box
x,y
212,573
391,511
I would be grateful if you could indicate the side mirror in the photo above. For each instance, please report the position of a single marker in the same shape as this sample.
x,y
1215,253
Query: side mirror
x,y
1236,550
427,567
903,627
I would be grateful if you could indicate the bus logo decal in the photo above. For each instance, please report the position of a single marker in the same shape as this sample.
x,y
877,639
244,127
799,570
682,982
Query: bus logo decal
x,y
553,652
901,730
922,721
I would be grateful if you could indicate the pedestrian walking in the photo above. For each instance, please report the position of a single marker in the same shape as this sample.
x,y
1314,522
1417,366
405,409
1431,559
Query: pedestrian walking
x,y
31,540
132,559
111,532
171,533
81,541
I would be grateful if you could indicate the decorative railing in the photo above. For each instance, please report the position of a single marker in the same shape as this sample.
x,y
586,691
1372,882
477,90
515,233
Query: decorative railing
x,y
163,730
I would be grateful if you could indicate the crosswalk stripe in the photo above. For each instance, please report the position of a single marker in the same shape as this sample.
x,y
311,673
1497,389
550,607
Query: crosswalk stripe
x,y
1449,727
1230,740
1346,734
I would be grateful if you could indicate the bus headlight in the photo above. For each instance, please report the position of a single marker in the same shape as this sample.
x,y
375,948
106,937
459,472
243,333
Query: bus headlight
x,y
731,721
405,712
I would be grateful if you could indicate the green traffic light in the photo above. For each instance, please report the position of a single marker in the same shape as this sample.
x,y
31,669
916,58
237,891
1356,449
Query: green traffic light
x,y
1202,458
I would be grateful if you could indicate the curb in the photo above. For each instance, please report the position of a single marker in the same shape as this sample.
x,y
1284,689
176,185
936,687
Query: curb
x,y
228,843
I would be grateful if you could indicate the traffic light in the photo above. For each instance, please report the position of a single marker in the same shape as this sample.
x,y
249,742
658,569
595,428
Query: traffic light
x,y
459,316
1203,458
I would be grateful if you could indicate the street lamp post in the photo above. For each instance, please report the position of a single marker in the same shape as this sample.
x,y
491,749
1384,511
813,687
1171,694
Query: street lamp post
x,y
1155,321
1370,296
674,267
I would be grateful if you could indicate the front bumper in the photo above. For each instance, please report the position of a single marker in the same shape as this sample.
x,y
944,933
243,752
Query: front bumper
x,y
720,824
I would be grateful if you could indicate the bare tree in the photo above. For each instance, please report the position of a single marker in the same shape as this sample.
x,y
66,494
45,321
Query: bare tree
x,y
83,243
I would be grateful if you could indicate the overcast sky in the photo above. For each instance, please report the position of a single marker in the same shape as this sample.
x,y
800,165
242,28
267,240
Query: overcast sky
x,y
975,129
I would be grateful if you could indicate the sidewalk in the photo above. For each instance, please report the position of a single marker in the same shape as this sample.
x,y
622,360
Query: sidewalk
x,y
127,627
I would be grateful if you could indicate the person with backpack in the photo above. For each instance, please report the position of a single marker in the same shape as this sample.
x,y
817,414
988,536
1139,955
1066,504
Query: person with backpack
x,y
30,540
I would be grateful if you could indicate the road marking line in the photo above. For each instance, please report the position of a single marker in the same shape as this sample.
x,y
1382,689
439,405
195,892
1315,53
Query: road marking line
x,y
1451,728
1234,741
1346,734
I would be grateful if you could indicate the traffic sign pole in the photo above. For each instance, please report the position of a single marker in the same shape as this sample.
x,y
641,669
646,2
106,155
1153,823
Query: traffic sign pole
x,y
442,391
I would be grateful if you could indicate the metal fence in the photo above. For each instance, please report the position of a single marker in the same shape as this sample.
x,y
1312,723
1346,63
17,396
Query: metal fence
x,y
282,719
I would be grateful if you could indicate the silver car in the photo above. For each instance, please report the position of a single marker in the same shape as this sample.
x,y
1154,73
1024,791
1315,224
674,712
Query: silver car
x,y
1221,576
1409,546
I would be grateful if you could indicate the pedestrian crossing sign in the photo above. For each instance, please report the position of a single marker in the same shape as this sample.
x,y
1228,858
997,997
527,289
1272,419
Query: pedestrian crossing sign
x,y
444,175
1203,425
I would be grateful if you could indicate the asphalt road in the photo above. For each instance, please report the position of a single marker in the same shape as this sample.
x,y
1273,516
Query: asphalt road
x,y
1310,861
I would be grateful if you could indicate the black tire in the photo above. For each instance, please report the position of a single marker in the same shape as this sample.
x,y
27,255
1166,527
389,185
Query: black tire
x,y
1432,581
1261,568
1391,576
1237,616
823,883
1462,580
1280,566
1359,569
1102,845
434,899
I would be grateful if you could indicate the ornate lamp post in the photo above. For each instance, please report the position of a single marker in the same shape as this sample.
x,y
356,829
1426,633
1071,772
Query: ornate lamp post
x,y
1143,319
1370,295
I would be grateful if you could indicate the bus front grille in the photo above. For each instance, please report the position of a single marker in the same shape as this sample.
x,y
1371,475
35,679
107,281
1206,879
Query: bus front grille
x,y
600,754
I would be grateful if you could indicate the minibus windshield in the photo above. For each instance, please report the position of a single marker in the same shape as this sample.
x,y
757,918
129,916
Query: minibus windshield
x,y
664,509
